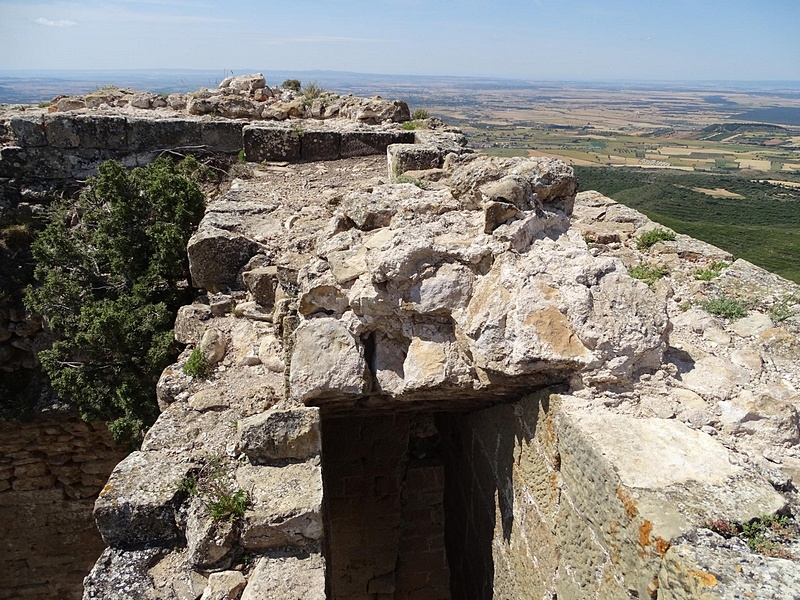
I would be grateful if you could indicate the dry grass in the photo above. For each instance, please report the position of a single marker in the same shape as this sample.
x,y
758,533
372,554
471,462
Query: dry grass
x,y
717,193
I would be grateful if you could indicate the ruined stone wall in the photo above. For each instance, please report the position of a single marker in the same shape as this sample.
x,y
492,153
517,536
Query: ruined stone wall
x,y
51,471
71,146
384,510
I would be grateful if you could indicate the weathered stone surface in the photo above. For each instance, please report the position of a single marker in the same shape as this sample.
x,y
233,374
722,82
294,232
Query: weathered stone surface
x,y
271,143
327,362
244,83
281,577
224,585
212,345
647,481
262,282
286,505
364,143
137,505
208,541
216,256
122,575
320,144
704,565
280,434
412,157
86,131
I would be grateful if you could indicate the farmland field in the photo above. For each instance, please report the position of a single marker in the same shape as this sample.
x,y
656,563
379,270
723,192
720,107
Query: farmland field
x,y
763,226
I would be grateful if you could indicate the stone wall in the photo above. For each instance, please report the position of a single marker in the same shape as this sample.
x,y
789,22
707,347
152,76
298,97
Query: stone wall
x,y
71,146
51,471
384,509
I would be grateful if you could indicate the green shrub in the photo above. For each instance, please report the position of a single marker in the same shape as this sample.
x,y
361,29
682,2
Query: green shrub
x,y
312,91
242,156
44,104
766,535
197,366
420,114
711,272
650,238
723,306
291,84
412,125
647,272
107,273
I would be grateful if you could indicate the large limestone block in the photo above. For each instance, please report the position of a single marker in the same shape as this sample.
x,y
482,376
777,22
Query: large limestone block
x,y
286,505
327,361
413,157
281,434
271,143
641,483
366,143
221,136
137,505
86,131
320,144
282,577
216,256
244,83
162,134
27,131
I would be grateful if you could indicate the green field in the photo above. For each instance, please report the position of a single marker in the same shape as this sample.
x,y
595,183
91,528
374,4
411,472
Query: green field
x,y
763,227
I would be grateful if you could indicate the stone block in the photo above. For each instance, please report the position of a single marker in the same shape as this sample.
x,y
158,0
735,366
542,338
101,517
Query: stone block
x,y
413,157
320,144
222,136
27,131
137,505
261,282
286,505
216,256
327,361
271,143
281,434
281,577
367,143
105,132
160,134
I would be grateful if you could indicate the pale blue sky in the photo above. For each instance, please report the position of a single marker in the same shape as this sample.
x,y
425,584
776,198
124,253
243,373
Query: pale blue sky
x,y
533,39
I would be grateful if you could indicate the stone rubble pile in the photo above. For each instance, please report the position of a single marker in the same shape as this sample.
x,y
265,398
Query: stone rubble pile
x,y
242,97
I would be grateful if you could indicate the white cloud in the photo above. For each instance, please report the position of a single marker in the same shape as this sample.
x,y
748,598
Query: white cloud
x,y
60,23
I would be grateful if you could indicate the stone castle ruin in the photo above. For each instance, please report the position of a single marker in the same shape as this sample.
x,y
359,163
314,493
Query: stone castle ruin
x,y
433,376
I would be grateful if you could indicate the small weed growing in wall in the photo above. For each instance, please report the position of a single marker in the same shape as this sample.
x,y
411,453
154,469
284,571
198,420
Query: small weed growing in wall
x,y
420,114
215,485
43,104
764,535
711,272
242,157
423,185
412,125
652,237
647,272
724,306
197,366
785,308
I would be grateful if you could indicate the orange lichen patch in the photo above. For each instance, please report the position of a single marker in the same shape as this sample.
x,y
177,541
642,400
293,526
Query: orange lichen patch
x,y
612,528
652,588
662,546
628,503
738,568
645,529
553,329
706,579
108,487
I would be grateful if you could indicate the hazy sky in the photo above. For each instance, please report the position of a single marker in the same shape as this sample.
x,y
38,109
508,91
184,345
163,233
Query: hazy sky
x,y
535,39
